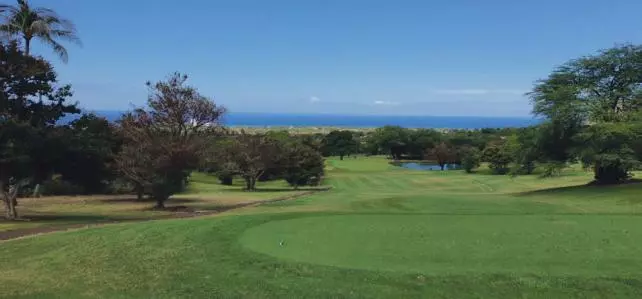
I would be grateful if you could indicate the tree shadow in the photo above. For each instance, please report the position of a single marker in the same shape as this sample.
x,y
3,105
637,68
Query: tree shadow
x,y
179,200
67,218
592,186
285,189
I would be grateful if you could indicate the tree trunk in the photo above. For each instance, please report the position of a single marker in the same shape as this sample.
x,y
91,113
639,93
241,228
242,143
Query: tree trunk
x,y
27,46
248,183
7,209
36,191
13,213
253,183
442,166
160,203
341,157
10,201
161,195
139,192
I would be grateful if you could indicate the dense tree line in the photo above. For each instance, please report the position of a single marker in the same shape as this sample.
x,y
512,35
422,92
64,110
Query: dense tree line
x,y
591,111
443,146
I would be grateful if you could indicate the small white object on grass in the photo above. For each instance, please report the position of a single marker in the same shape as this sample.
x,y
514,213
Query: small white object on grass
x,y
281,243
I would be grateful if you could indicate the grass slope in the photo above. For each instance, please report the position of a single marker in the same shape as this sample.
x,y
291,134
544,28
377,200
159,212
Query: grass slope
x,y
204,194
383,232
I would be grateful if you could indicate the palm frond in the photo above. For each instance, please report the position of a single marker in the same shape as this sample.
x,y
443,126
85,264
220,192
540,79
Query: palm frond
x,y
66,35
39,27
8,12
57,47
8,9
43,11
8,32
59,23
39,22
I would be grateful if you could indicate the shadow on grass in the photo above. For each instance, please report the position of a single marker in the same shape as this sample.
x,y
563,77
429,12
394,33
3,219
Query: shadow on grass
x,y
67,218
179,200
286,189
590,187
257,190
70,221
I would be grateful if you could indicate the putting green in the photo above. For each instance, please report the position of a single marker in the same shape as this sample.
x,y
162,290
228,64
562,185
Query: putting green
x,y
562,245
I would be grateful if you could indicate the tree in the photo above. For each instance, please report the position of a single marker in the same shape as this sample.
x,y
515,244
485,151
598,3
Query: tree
x,y
421,139
524,146
226,174
470,158
589,94
442,154
166,141
30,105
499,157
303,165
250,156
26,22
339,143
90,145
391,140
15,163
475,138
609,149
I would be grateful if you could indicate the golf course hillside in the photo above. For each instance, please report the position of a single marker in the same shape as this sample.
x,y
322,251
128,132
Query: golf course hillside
x,y
381,231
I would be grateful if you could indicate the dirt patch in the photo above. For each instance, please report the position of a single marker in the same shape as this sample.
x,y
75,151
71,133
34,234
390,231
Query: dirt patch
x,y
181,212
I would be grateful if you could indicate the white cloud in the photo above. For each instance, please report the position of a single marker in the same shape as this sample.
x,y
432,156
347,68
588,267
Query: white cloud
x,y
314,99
479,91
386,103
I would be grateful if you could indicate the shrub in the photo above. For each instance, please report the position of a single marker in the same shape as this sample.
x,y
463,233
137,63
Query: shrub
x,y
226,179
499,158
60,187
552,169
470,159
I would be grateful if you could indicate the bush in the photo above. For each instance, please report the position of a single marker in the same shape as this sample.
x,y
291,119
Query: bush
x,y
60,187
305,165
297,179
499,157
226,179
119,186
552,169
470,159
226,174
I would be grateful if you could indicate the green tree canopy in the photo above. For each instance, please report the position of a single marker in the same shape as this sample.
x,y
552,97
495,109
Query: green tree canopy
x,y
30,105
340,143
587,103
499,157
391,140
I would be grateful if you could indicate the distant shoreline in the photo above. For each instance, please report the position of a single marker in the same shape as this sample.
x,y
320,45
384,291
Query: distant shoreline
x,y
283,120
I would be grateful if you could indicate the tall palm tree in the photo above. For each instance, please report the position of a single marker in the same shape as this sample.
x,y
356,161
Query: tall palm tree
x,y
26,23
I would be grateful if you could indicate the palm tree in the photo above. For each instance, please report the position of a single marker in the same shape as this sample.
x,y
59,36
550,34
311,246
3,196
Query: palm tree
x,y
25,22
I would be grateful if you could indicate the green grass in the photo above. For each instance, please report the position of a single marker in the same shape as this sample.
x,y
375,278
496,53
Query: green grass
x,y
458,244
382,232
204,193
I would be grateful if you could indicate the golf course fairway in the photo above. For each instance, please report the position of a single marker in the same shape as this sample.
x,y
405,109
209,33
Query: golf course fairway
x,y
381,232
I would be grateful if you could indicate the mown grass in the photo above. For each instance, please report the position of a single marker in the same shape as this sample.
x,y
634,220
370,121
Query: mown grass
x,y
382,232
203,194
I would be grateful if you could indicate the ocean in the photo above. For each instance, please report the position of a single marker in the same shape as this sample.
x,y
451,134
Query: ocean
x,y
241,119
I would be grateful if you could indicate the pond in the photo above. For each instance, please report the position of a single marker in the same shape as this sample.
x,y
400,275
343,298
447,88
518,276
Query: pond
x,y
425,166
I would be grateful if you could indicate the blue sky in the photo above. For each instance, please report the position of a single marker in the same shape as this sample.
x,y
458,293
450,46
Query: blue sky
x,y
460,57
